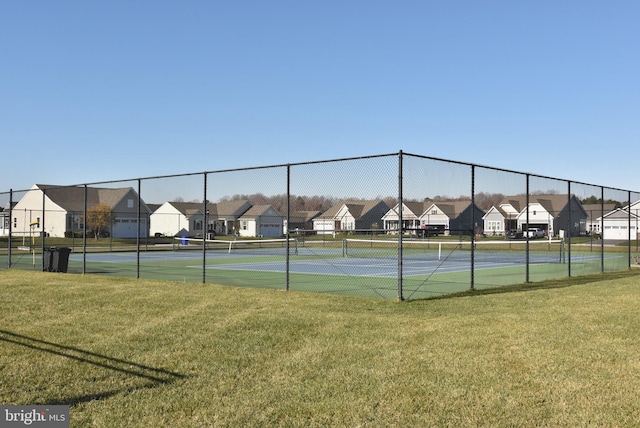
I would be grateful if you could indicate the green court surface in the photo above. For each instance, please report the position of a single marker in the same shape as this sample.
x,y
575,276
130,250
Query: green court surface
x,y
329,268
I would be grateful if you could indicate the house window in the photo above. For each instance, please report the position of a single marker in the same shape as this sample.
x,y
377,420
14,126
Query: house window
x,y
129,203
434,211
243,225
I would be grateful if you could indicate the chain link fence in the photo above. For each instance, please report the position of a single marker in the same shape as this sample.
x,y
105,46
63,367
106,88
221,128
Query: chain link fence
x,y
392,226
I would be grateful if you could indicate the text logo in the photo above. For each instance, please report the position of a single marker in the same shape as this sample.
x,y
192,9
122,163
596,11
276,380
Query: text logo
x,y
34,416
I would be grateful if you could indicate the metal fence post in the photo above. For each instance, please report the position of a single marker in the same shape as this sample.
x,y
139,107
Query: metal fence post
x,y
473,225
9,240
526,234
84,233
629,229
138,234
601,229
568,246
205,220
400,226
288,234
42,230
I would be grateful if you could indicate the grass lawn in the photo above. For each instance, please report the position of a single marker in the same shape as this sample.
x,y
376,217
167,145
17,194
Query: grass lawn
x,y
141,353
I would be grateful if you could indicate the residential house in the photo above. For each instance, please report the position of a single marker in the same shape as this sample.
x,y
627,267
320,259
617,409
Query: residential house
x,y
621,223
5,221
351,216
496,221
556,214
189,218
228,215
56,210
439,217
180,219
455,217
261,221
595,212
301,221
411,213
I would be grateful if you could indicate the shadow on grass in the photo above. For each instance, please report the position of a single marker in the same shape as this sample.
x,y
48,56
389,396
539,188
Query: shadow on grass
x,y
154,376
542,285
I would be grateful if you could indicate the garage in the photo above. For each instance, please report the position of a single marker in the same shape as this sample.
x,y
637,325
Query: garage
x,y
615,225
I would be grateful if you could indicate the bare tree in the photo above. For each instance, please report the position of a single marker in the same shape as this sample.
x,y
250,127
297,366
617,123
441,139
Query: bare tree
x,y
99,219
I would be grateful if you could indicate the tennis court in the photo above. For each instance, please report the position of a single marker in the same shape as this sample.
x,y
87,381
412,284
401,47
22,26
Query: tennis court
x,y
353,257
348,266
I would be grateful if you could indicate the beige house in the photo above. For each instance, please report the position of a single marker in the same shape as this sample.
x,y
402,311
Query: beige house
x,y
351,216
57,210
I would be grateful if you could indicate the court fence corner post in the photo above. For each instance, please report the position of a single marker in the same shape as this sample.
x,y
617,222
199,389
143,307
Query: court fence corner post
x,y
400,227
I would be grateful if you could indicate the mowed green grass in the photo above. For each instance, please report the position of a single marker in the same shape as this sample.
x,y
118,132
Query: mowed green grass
x,y
140,353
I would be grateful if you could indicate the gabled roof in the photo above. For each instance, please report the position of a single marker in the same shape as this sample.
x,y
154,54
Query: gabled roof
x,y
417,208
259,210
192,208
153,207
356,208
517,202
595,211
494,208
232,208
303,216
220,209
452,209
620,213
552,203
72,198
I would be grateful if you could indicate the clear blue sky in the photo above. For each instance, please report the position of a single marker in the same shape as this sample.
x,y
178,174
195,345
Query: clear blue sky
x,y
93,91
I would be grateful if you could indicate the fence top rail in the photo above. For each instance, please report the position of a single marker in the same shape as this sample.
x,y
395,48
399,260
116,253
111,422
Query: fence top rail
x,y
287,165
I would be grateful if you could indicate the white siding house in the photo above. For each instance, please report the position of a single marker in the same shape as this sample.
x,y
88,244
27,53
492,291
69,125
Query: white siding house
x,y
351,216
411,212
188,219
429,217
621,223
261,221
56,210
553,213
595,212
494,222
4,222
177,219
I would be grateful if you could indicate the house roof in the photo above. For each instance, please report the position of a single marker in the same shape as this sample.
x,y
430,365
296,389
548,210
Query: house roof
x,y
72,198
356,208
232,208
552,203
220,209
452,209
417,208
619,213
192,208
154,207
259,210
595,211
303,216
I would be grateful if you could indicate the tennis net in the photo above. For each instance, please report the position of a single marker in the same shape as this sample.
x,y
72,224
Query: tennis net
x,y
262,247
503,251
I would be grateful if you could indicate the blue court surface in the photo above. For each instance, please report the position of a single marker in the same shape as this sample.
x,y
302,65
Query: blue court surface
x,y
328,261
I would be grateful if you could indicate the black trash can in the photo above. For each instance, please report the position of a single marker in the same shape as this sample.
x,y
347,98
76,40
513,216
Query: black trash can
x,y
56,259
47,259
